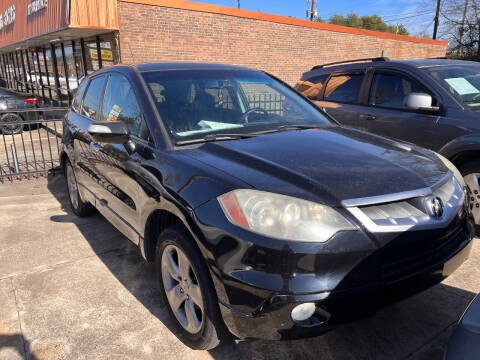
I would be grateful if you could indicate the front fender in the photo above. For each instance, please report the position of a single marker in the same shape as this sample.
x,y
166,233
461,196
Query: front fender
x,y
470,142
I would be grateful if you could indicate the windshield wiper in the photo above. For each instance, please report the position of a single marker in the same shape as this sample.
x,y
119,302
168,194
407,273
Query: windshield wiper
x,y
224,137
214,137
287,128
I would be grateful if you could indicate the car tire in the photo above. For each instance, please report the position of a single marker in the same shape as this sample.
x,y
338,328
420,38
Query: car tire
x,y
471,174
79,207
176,243
11,129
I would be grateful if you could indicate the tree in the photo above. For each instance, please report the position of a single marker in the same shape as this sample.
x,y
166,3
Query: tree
x,y
460,24
370,22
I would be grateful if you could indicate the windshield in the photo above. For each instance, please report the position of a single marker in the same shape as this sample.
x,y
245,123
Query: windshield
x,y
462,81
195,104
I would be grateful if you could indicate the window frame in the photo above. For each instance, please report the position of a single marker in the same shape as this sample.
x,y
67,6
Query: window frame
x,y
361,91
80,103
148,140
393,72
101,99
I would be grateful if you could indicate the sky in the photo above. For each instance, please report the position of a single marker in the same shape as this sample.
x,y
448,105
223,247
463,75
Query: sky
x,y
416,15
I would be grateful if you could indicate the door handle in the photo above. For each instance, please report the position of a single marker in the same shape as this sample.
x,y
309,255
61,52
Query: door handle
x,y
367,117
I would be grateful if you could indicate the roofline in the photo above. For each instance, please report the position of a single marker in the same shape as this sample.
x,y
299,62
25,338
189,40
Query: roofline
x,y
248,14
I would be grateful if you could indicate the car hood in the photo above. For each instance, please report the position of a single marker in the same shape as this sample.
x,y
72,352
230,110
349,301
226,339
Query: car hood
x,y
324,165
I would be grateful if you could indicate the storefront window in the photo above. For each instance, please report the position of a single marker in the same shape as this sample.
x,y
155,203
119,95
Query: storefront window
x,y
54,72
109,50
32,73
70,67
77,54
91,55
62,74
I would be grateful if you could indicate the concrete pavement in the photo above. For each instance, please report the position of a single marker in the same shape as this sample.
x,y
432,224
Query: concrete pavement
x,y
75,288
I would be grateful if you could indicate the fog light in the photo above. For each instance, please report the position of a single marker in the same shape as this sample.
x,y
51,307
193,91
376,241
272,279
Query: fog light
x,y
303,311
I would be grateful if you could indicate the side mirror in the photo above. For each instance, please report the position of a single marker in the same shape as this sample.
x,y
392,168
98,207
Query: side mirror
x,y
113,132
419,101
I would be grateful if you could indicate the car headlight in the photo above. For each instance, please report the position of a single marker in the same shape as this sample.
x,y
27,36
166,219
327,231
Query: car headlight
x,y
453,168
282,217
3,105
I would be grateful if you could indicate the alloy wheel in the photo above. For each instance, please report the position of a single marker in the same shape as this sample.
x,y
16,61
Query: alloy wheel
x,y
15,126
72,186
182,289
472,181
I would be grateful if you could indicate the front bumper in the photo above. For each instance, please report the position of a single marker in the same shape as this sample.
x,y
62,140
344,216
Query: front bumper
x,y
259,281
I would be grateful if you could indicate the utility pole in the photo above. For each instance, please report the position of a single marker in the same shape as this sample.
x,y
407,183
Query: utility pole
x,y
437,14
238,3
462,28
312,10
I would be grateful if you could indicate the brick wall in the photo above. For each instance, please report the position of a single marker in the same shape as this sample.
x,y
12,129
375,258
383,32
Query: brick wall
x,y
156,33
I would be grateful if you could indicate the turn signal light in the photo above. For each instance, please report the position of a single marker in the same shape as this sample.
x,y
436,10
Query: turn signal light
x,y
232,208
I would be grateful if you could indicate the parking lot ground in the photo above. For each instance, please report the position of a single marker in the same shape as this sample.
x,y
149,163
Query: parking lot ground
x,y
75,288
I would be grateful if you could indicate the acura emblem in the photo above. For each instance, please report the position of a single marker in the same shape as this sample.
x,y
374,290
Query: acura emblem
x,y
434,207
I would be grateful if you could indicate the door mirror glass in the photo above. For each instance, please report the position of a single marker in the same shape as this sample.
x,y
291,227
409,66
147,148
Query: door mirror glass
x,y
419,101
109,132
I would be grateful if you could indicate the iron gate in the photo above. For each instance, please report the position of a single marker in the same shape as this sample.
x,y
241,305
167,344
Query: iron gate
x,y
30,142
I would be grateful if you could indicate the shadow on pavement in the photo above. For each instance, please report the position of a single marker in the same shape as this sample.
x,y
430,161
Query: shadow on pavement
x,y
416,328
18,344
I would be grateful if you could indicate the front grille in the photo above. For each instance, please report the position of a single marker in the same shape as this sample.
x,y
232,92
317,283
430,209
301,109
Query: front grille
x,y
410,211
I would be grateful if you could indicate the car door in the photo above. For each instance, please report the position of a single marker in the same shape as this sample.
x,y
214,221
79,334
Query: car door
x,y
83,113
118,188
387,116
341,98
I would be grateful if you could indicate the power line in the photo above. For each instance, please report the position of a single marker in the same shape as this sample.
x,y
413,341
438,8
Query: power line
x,y
407,13
408,17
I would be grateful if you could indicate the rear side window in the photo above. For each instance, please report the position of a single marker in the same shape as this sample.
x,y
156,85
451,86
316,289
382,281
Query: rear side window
x,y
390,90
120,104
77,100
93,97
311,88
344,88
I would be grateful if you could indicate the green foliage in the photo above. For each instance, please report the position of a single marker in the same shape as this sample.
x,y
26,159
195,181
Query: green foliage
x,y
370,22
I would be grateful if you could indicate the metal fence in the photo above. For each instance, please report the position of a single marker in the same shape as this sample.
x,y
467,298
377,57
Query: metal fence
x,y
30,142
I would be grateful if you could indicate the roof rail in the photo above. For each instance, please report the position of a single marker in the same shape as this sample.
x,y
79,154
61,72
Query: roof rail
x,y
381,58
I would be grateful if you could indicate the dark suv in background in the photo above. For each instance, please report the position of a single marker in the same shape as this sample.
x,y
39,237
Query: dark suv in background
x,y
434,103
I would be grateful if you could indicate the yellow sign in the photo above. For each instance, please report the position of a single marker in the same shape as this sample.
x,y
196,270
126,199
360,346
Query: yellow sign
x,y
107,55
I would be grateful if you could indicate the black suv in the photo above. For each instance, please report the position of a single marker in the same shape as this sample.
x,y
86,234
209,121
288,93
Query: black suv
x,y
260,212
434,103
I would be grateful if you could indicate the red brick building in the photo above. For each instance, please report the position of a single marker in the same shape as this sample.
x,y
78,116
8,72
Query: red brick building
x,y
47,47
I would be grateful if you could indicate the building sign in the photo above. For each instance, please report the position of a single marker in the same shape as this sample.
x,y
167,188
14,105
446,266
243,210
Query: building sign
x,y
8,17
107,55
35,6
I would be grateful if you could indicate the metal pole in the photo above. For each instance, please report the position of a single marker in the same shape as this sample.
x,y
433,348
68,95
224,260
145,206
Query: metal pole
x,y
312,10
15,159
238,3
435,27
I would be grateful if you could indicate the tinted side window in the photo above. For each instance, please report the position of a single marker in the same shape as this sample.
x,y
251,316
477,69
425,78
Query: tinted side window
x,y
120,104
344,88
77,100
92,99
311,87
389,90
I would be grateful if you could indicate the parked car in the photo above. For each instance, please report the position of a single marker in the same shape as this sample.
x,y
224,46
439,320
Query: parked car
x,y
36,79
269,220
434,103
12,123
464,343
